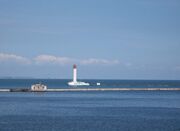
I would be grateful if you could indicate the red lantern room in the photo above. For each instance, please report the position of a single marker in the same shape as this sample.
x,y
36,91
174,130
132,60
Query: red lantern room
x,y
74,66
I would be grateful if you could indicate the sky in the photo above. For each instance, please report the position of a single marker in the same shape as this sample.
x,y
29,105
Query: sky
x,y
107,39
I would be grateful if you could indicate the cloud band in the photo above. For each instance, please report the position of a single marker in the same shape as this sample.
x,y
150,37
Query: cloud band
x,y
57,60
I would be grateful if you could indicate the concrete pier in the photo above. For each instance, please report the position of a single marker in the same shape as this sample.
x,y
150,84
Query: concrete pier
x,y
113,89
92,89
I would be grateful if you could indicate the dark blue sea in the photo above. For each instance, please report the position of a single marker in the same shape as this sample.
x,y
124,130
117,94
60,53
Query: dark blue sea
x,y
90,111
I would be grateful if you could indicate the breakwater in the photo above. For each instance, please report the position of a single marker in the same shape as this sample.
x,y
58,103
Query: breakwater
x,y
113,89
92,89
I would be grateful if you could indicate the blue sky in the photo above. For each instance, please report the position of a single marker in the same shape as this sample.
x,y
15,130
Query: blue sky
x,y
107,39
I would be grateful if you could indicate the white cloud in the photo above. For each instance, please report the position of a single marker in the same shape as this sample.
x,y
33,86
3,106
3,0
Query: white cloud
x,y
50,59
99,61
53,60
56,60
11,57
41,59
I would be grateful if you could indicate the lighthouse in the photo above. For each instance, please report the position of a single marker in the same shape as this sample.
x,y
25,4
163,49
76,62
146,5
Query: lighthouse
x,y
74,73
75,82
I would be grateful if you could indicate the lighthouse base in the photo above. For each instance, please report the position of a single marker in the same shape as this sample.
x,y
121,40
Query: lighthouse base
x,y
78,83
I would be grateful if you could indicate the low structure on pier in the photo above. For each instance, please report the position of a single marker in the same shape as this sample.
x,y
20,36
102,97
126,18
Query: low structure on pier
x,y
38,87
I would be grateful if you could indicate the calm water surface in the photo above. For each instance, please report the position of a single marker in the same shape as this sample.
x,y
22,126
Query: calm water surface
x,y
90,111
62,83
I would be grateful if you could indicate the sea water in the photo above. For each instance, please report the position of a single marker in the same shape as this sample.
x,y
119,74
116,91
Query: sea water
x,y
90,111
62,83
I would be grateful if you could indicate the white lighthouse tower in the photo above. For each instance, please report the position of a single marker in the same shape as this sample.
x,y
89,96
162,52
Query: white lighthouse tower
x,y
75,82
74,73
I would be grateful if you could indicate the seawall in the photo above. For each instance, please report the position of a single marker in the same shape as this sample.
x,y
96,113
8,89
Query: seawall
x,y
114,89
92,89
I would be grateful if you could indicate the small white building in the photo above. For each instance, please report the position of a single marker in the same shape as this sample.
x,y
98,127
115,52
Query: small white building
x,y
38,87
